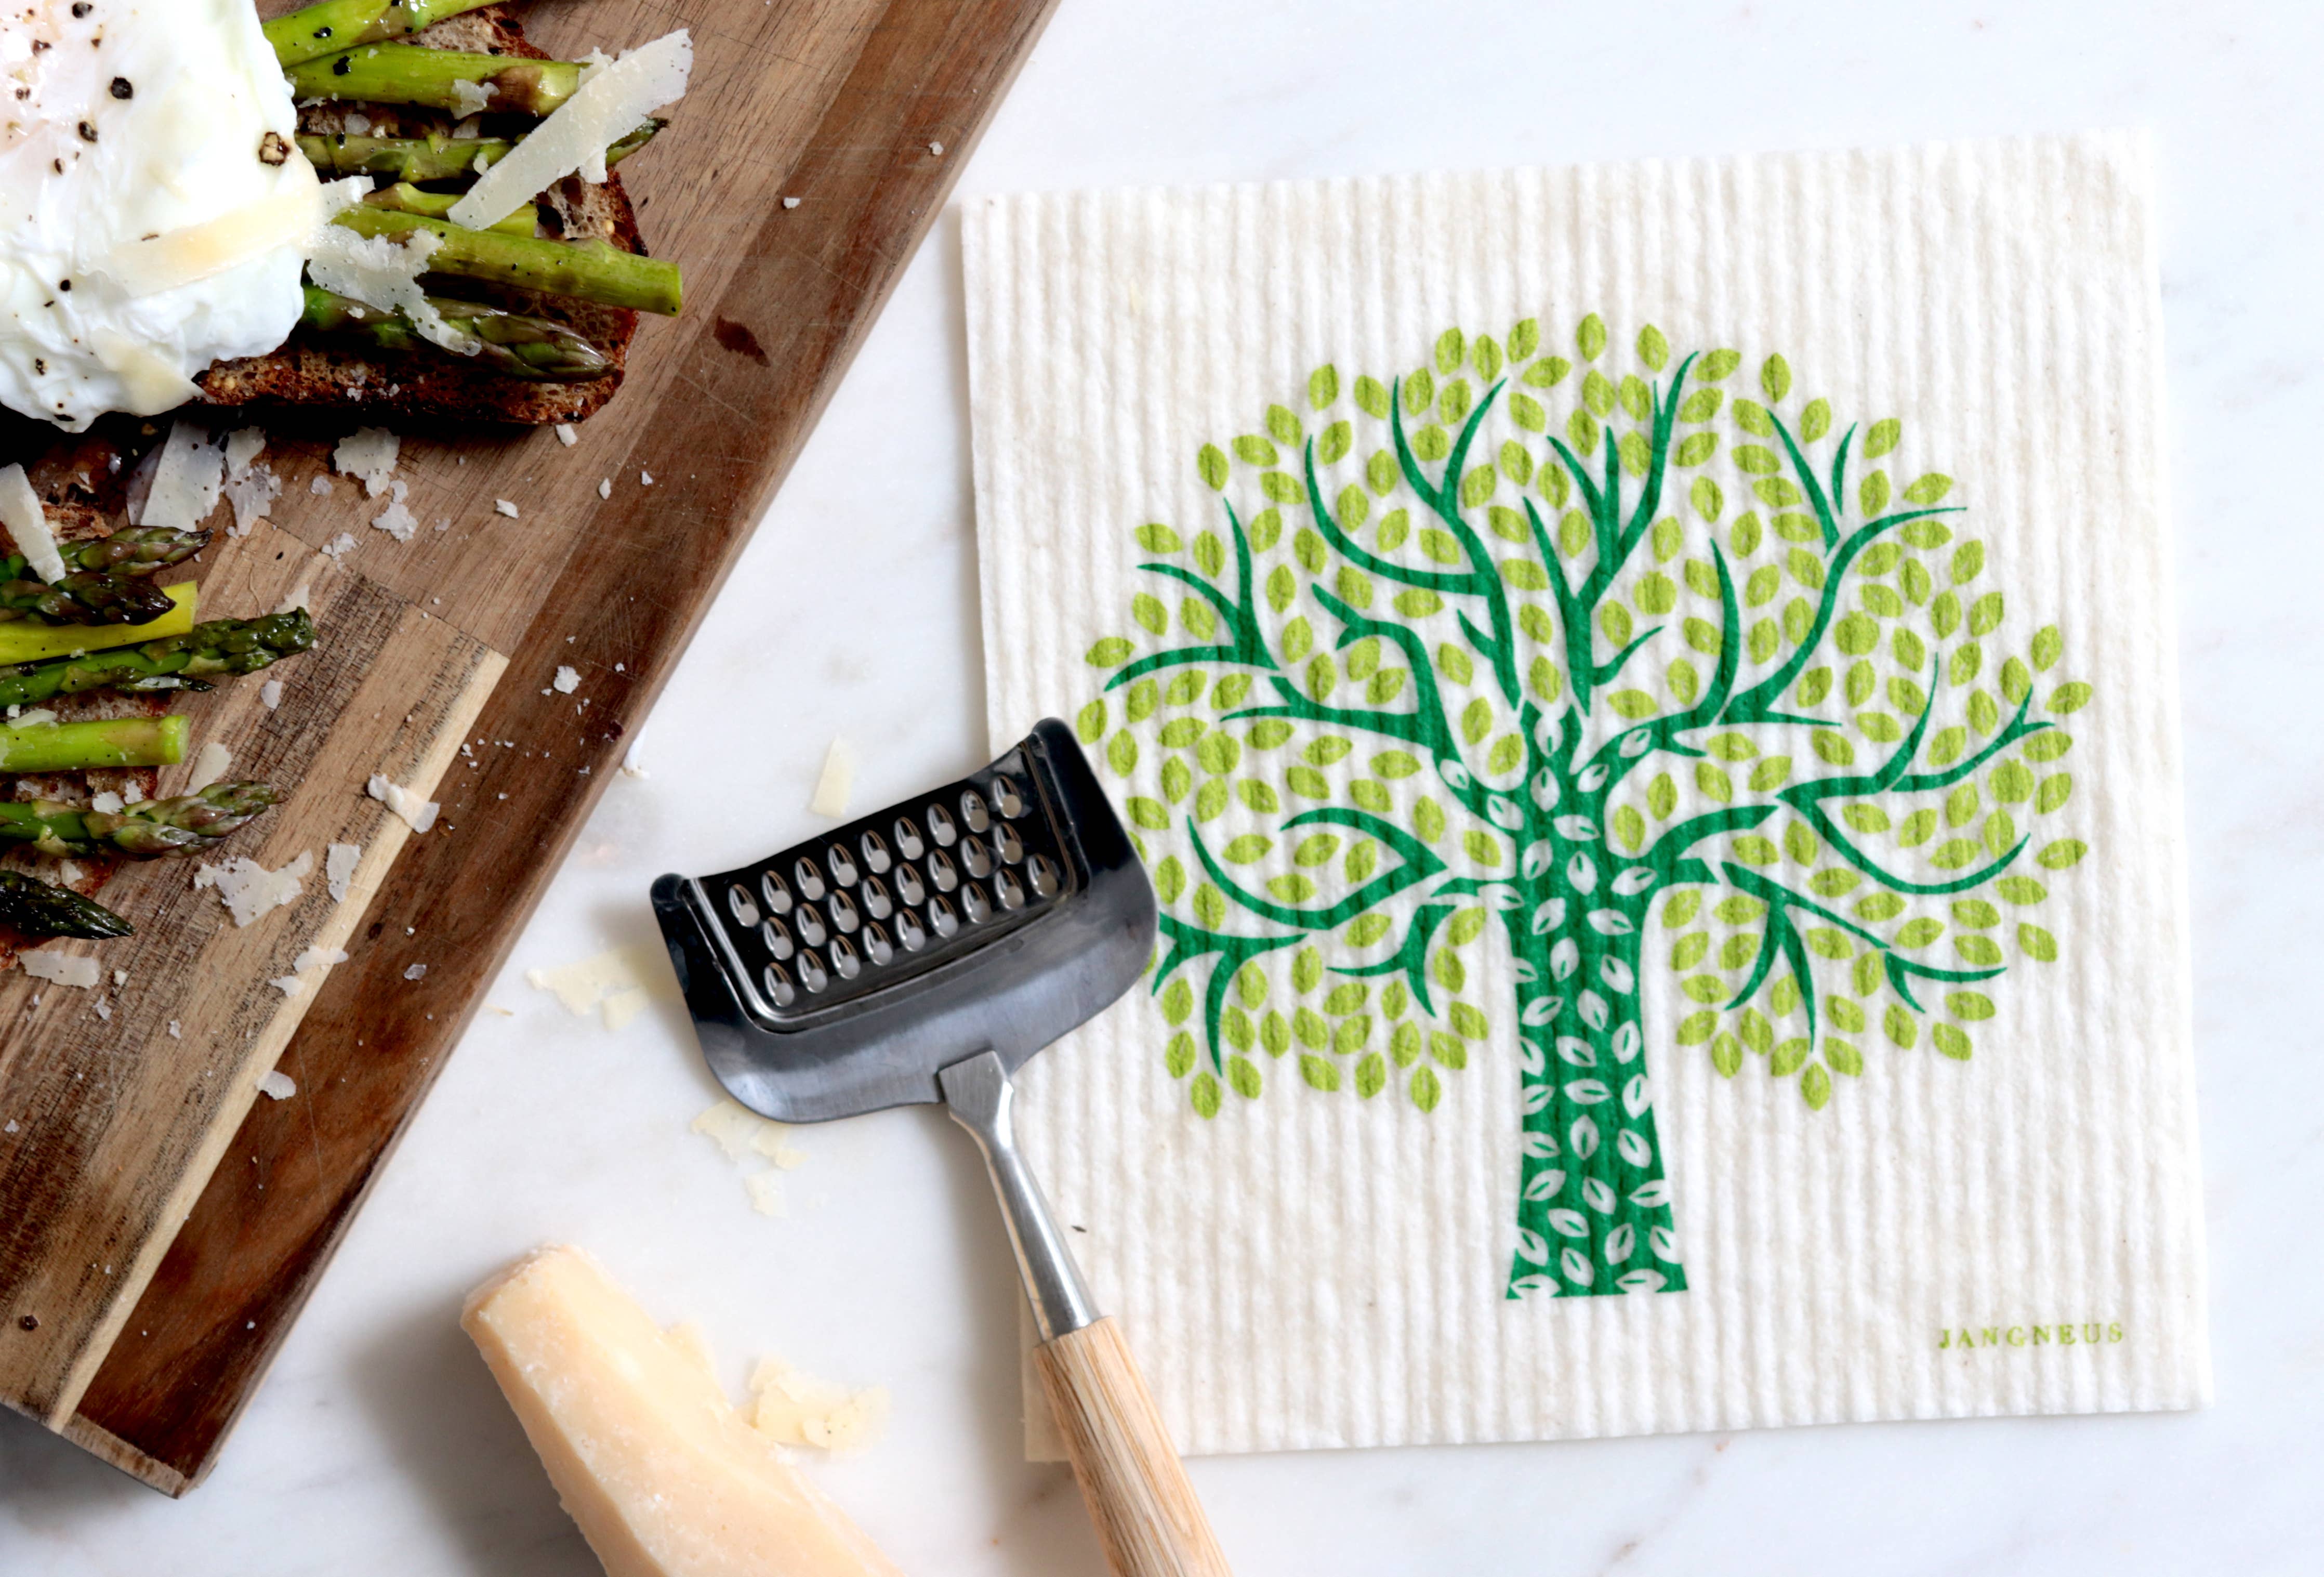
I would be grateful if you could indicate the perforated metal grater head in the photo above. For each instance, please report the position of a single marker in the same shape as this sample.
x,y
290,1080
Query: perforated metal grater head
x,y
839,975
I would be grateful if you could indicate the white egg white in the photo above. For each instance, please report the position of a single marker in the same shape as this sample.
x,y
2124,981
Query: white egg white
x,y
133,130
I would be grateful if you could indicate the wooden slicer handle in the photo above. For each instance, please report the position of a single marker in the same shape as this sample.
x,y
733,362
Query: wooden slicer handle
x,y
1147,1516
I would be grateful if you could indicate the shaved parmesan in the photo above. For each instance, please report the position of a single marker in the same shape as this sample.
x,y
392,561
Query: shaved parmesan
x,y
250,890
607,978
742,1133
252,494
290,985
384,273
278,1085
270,694
368,454
28,523
243,445
609,104
187,479
623,1006
566,435
301,595
798,1409
502,506
318,958
210,766
106,804
66,969
339,863
149,384
417,814
338,547
838,785
149,266
567,680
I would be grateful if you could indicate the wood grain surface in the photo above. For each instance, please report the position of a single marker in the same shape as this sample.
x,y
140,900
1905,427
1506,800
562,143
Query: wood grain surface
x,y
838,102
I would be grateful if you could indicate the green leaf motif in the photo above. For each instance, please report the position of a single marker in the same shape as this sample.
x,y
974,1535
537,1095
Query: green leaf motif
x,y
1110,652
1323,386
1775,377
1929,489
1590,338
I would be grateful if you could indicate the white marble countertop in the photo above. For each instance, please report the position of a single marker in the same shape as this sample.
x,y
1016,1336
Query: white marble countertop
x,y
378,1443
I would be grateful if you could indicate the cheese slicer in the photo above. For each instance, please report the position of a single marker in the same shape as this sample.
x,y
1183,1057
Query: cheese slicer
x,y
923,954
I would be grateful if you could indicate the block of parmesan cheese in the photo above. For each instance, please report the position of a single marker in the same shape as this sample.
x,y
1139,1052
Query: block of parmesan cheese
x,y
650,1458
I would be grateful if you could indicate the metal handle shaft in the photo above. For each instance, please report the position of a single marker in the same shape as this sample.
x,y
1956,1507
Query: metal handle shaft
x,y
977,1091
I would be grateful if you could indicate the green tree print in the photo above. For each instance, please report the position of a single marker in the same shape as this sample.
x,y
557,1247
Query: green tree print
x,y
1486,647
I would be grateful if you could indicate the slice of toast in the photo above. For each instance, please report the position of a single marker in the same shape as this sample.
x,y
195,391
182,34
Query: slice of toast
x,y
74,523
429,385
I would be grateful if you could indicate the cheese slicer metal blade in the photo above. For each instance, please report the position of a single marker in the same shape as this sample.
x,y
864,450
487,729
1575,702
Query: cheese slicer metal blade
x,y
924,953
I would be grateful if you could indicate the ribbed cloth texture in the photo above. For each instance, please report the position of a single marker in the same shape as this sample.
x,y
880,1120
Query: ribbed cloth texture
x,y
1306,1270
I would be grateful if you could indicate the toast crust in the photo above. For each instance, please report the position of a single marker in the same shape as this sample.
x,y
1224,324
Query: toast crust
x,y
317,370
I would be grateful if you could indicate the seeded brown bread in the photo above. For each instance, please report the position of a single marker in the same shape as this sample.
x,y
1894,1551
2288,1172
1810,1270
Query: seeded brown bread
x,y
427,384
73,523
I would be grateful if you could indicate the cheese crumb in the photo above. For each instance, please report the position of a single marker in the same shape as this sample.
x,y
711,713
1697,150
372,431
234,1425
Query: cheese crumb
x,y
470,98
566,435
290,985
501,506
791,202
106,804
605,488
838,785
798,1409
645,479
250,890
320,487
397,519
417,814
210,766
417,972
766,1192
339,547
175,1032
368,455
270,694
318,958
278,1085
567,680
77,970
339,863
33,717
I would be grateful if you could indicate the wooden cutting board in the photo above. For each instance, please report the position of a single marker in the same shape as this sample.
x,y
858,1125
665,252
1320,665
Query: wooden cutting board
x,y
144,1285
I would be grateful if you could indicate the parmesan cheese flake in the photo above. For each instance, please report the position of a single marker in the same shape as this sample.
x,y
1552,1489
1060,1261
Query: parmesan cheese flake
x,y
77,970
369,454
417,814
210,766
249,890
278,1085
609,104
838,785
339,863
187,479
28,523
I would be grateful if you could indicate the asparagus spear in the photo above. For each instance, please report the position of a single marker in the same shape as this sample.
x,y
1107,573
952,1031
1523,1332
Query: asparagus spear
x,y
180,662
35,908
141,832
445,79
75,747
341,25
520,347
25,641
79,599
436,157
588,270
404,198
104,584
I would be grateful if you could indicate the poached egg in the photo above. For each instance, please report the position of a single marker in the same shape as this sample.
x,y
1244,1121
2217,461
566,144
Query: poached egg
x,y
154,208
